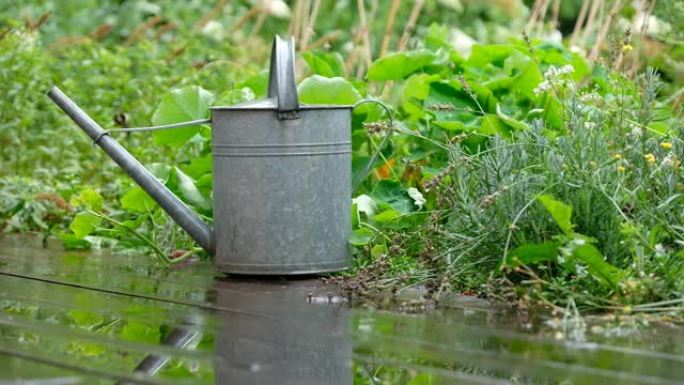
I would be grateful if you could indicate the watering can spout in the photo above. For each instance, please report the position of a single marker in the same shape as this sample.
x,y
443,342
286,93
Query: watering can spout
x,y
182,214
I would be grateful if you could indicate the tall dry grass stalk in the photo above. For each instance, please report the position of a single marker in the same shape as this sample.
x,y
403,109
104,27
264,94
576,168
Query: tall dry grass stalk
x,y
603,32
255,10
580,22
389,25
646,10
542,16
555,14
589,26
311,24
364,32
411,24
211,15
140,30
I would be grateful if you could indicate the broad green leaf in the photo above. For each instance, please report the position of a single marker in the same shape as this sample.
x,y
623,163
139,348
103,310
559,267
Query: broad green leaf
x,y
399,65
199,166
257,83
181,105
88,198
561,212
606,273
393,194
325,64
235,96
321,90
160,170
393,219
532,253
71,242
378,250
361,237
189,191
137,200
512,123
140,332
494,54
84,224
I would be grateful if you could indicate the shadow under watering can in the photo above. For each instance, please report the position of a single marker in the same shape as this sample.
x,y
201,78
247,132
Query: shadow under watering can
x,y
281,179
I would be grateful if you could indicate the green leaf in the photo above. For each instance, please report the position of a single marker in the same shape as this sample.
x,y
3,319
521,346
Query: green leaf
x,y
393,194
378,250
321,90
84,224
71,242
181,105
606,273
89,199
482,55
361,237
532,253
140,332
235,96
393,219
325,64
199,166
137,200
189,191
399,65
561,212
510,122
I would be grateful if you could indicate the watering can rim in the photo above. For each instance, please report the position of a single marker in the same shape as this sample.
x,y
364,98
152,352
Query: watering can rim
x,y
270,104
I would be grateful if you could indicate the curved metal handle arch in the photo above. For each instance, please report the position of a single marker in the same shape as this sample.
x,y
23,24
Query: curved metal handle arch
x,y
281,79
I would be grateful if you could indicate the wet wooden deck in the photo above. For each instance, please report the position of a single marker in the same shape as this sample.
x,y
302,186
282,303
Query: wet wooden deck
x,y
93,318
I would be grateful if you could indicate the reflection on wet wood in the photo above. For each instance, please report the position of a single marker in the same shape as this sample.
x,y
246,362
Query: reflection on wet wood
x,y
77,318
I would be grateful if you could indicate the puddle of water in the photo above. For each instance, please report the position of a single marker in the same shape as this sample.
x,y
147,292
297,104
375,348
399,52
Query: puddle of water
x,y
94,318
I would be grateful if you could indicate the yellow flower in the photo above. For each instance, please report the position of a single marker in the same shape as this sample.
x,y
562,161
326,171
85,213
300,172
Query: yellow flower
x,y
617,156
650,159
627,47
666,145
621,169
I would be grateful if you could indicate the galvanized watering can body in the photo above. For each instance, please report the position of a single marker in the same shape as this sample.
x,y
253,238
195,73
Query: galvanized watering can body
x,y
281,180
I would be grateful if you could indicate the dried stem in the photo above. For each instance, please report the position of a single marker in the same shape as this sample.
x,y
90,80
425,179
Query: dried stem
x,y
100,32
365,33
245,18
332,36
648,6
391,17
294,21
605,26
164,29
411,24
535,14
542,16
304,19
259,23
211,15
308,31
580,21
555,14
140,29
590,22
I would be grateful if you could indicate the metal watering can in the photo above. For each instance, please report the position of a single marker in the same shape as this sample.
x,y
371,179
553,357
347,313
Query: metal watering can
x,y
281,179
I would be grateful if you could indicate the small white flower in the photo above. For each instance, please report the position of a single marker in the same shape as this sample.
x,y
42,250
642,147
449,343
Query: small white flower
x,y
417,197
365,204
214,30
542,87
589,125
277,8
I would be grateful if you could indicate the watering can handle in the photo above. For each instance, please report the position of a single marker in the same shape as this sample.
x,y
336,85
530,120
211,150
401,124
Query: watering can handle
x,y
281,79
